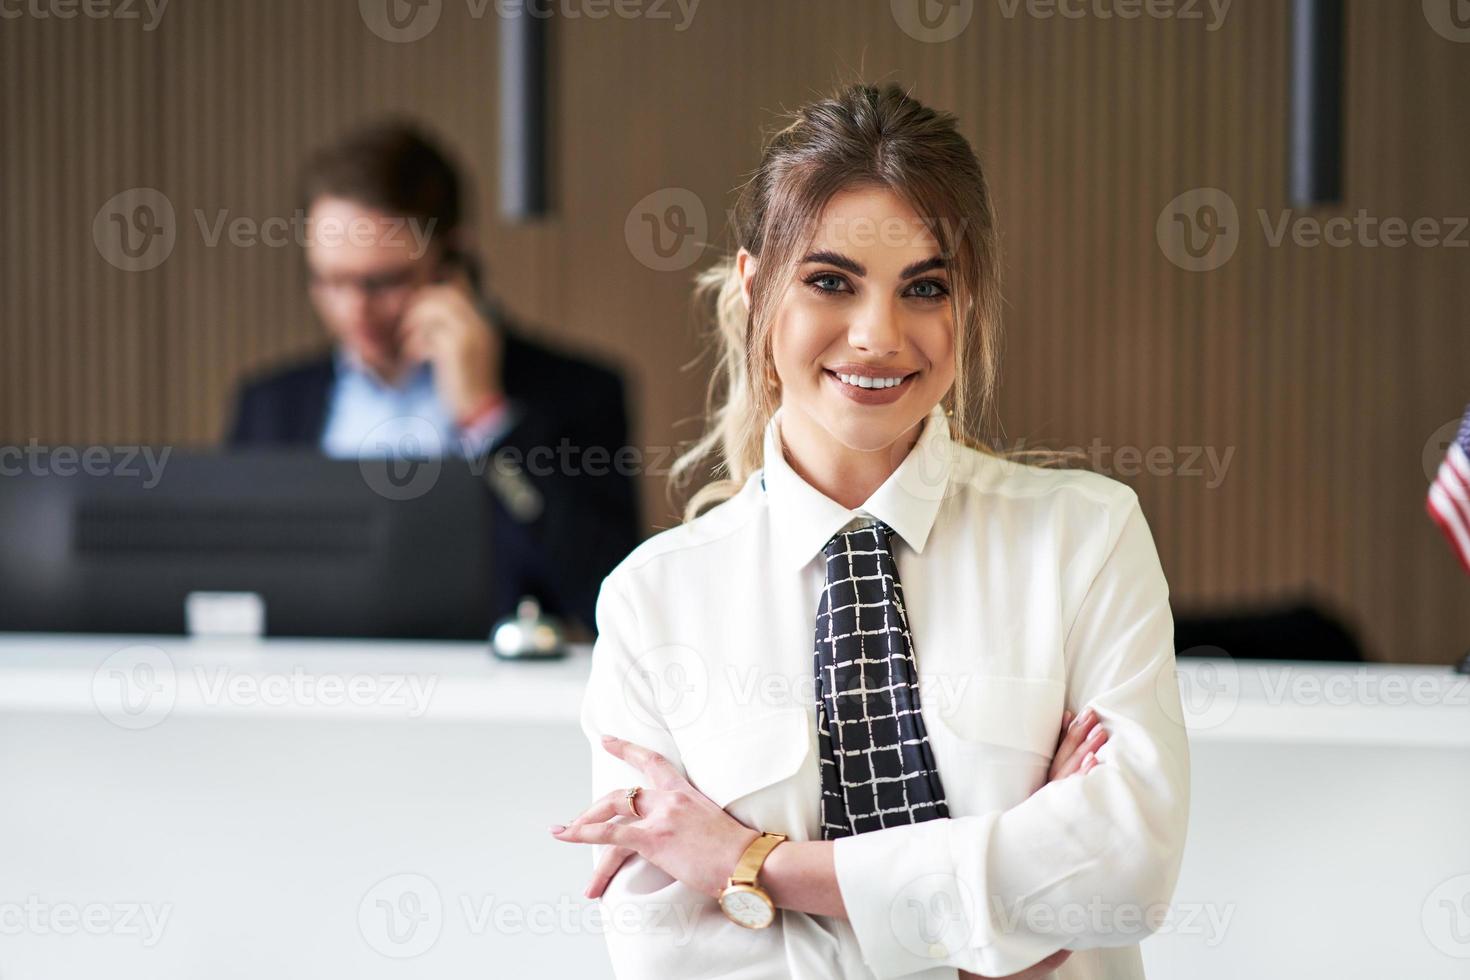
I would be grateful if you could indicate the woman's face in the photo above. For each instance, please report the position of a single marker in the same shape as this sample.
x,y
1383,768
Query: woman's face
x,y
864,336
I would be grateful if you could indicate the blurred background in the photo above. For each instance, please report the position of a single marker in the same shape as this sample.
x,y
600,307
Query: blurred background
x,y
1280,413
1278,366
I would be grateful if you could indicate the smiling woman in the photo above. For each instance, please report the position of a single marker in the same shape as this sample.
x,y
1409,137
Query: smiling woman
x,y
887,703
867,196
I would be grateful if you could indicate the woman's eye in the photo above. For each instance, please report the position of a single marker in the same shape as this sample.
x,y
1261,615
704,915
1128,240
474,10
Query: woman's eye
x,y
826,282
931,289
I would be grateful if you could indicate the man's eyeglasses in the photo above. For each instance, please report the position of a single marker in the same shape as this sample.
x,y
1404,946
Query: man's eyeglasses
x,y
371,286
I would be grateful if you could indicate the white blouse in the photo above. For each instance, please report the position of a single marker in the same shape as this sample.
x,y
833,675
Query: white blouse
x,y
1029,591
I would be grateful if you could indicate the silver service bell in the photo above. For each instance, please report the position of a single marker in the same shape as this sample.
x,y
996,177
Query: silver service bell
x,y
528,635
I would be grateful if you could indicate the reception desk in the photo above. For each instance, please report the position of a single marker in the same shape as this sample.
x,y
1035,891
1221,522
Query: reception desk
x,y
183,808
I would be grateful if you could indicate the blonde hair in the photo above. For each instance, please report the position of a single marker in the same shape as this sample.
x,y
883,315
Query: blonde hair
x,y
860,135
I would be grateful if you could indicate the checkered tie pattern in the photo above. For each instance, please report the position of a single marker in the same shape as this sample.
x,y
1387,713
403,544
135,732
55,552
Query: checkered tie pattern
x,y
877,767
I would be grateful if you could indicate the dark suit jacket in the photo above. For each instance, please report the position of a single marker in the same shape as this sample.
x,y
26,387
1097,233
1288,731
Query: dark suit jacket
x,y
585,523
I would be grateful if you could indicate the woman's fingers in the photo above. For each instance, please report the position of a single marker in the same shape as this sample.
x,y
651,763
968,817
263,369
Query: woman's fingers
x,y
1076,731
596,825
607,866
614,804
1034,972
1085,734
607,832
1073,763
659,771
1044,967
1072,736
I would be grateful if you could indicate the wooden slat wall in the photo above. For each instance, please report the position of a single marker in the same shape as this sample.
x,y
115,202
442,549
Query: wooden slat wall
x,y
1325,370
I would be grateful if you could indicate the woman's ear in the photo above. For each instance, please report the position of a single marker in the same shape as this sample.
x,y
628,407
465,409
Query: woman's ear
x,y
745,268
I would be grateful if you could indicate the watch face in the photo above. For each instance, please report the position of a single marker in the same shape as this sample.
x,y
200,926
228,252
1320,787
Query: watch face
x,y
747,906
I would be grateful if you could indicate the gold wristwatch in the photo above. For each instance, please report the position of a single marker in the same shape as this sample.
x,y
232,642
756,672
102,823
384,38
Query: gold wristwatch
x,y
744,902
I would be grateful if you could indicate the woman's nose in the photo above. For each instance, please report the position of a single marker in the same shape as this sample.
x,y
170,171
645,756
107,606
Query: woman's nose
x,y
876,329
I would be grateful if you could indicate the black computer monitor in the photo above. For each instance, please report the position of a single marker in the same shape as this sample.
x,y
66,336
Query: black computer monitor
x,y
370,548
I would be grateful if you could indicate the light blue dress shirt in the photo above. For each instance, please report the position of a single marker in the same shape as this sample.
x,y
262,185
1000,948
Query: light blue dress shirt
x,y
366,417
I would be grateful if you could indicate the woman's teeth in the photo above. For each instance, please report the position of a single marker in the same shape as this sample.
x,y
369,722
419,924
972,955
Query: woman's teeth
x,y
863,381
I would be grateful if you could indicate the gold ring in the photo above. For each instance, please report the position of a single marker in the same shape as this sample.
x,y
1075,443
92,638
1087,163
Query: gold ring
x,y
632,797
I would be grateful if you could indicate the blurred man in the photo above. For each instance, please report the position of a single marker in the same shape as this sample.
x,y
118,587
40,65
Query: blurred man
x,y
424,363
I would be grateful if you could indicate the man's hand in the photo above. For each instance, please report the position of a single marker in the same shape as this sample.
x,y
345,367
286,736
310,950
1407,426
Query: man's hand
x,y
444,326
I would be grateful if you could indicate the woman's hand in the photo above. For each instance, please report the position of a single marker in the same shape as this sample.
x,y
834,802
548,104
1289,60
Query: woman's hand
x,y
1077,745
1034,972
678,829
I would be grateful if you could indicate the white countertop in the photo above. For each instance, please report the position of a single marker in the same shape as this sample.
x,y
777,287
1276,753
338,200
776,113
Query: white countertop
x,y
304,790
443,681
137,680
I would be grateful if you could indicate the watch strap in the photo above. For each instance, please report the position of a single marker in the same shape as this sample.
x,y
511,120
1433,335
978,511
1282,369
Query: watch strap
x,y
755,855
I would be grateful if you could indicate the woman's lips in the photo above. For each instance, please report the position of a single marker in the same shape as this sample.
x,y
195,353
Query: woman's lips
x,y
870,396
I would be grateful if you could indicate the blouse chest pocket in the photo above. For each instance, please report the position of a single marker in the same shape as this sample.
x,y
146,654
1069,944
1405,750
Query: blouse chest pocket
x,y
995,741
1005,719
737,762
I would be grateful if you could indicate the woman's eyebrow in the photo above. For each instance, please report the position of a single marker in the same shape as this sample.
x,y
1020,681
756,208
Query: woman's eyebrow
x,y
826,257
923,265
841,261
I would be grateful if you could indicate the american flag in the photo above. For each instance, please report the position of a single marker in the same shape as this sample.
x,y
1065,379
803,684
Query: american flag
x,y
1449,494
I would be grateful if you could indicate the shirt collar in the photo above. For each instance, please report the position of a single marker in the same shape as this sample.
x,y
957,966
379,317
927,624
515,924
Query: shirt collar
x,y
803,519
348,364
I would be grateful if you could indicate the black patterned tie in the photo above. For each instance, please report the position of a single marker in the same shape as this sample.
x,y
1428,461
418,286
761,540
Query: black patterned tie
x,y
877,768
